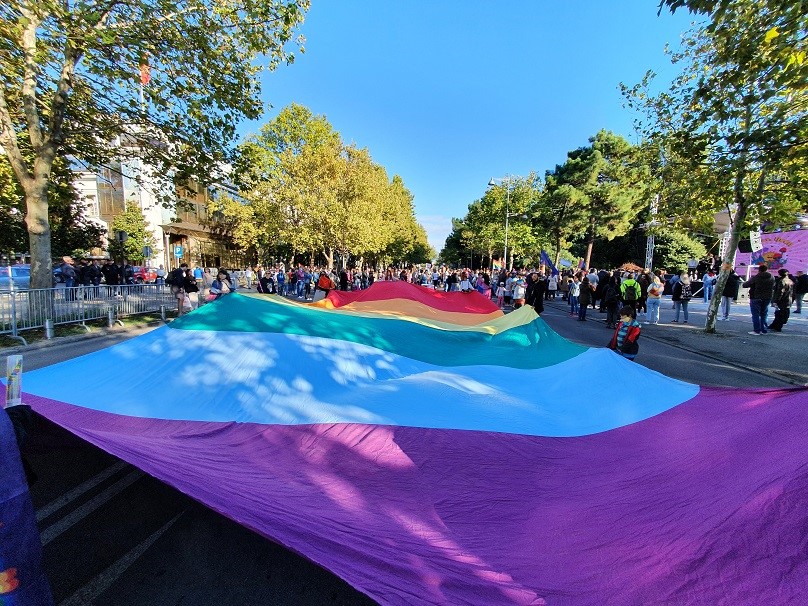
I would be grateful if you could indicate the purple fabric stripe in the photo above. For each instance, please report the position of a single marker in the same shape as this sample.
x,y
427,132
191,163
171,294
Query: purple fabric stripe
x,y
706,503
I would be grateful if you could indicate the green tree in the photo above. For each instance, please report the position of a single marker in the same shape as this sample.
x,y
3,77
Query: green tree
x,y
134,224
596,193
286,172
673,249
454,250
70,84
734,123
71,233
233,220
13,236
408,241
311,192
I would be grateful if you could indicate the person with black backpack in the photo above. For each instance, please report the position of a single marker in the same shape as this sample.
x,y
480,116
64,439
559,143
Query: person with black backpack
x,y
681,296
176,280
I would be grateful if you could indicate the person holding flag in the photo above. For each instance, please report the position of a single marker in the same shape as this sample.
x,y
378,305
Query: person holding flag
x,y
545,260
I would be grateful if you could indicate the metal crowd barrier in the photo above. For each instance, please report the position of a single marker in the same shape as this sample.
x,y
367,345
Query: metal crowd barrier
x,y
22,310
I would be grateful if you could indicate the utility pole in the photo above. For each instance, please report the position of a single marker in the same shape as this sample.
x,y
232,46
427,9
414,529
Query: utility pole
x,y
649,243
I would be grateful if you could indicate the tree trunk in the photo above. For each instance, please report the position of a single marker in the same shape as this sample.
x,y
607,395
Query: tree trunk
x,y
328,253
39,234
558,251
590,242
735,235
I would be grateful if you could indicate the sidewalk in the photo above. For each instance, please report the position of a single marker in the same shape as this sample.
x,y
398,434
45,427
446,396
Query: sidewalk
x,y
784,354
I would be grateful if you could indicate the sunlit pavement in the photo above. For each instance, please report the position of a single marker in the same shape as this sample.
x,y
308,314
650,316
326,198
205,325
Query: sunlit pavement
x,y
783,354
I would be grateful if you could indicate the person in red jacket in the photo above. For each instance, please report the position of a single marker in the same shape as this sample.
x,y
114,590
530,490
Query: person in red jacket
x,y
626,334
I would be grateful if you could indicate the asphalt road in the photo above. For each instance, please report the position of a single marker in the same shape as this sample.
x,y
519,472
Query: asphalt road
x,y
114,536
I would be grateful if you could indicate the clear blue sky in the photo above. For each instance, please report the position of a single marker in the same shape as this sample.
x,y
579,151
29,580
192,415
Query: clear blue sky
x,y
448,94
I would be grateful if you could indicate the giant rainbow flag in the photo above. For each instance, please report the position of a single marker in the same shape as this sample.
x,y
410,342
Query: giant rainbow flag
x,y
430,450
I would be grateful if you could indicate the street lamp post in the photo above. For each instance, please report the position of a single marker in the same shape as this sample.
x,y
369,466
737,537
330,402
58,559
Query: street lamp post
x,y
506,181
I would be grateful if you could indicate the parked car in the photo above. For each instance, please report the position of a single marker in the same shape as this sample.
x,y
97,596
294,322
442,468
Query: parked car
x,y
20,276
145,275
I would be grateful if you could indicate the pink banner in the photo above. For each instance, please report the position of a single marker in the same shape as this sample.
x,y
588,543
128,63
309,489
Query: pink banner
x,y
787,249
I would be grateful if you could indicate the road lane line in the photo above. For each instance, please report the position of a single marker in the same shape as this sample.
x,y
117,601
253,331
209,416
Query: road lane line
x,y
103,581
68,497
54,530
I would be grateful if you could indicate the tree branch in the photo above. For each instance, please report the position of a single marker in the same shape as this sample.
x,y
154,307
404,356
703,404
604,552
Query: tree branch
x,y
29,97
8,139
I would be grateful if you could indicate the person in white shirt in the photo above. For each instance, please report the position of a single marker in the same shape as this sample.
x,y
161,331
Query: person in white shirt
x,y
465,283
552,286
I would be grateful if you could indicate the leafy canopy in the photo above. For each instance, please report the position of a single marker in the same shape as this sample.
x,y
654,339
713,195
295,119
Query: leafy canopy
x,y
71,75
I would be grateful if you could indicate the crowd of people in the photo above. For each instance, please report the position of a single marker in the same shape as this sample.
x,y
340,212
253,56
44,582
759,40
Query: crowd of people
x,y
627,298
610,292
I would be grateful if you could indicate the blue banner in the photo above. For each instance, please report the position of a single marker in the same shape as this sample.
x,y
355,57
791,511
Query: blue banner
x,y
545,259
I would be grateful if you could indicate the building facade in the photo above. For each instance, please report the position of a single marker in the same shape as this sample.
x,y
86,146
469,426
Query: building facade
x,y
184,233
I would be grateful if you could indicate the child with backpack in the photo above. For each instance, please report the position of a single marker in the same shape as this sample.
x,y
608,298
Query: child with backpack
x,y
626,334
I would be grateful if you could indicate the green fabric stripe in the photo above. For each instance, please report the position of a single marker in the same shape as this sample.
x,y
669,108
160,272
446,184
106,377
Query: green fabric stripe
x,y
533,345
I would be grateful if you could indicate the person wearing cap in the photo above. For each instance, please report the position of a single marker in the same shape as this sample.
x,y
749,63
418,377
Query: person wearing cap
x,y
781,300
761,289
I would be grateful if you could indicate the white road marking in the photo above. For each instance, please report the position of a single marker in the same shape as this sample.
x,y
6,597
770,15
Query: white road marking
x,y
54,530
68,497
103,581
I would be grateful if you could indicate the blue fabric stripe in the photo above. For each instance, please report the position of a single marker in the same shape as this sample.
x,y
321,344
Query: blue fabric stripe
x,y
293,379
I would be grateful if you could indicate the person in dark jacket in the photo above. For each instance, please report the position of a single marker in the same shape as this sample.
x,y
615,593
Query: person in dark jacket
x,y
611,301
781,300
761,289
534,294
600,290
585,298
730,294
800,289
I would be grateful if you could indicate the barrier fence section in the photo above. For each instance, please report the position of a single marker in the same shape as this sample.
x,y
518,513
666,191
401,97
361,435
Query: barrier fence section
x,y
22,310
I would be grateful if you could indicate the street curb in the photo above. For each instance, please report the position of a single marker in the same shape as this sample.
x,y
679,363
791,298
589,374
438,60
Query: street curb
x,y
56,341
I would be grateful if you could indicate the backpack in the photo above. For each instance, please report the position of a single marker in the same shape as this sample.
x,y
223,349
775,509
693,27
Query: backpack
x,y
610,294
174,278
631,292
686,292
